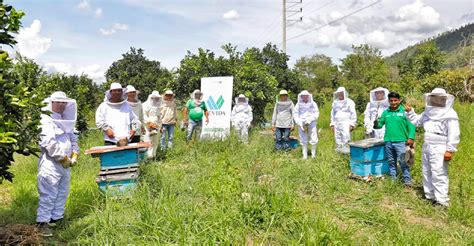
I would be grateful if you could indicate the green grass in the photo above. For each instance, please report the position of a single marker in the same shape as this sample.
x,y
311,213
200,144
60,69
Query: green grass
x,y
227,192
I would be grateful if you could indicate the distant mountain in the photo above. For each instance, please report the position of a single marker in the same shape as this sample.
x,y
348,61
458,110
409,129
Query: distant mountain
x,y
449,42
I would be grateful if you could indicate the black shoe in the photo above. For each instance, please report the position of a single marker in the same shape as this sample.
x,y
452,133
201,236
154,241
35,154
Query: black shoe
x,y
54,223
44,229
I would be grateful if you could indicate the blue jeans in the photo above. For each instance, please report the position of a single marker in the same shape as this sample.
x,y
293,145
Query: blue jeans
x,y
192,127
396,151
282,136
167,128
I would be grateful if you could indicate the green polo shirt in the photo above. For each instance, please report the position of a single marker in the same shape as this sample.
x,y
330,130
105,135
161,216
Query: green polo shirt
x,y
196,113
397,127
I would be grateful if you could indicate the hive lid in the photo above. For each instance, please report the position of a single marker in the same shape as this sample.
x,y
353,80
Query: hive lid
x,y
104,149
367,143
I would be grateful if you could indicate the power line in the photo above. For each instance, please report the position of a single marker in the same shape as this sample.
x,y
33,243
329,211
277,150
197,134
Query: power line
x,y
336,20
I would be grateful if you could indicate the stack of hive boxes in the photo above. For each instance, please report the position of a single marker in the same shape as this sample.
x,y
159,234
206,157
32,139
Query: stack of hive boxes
x,y
368,158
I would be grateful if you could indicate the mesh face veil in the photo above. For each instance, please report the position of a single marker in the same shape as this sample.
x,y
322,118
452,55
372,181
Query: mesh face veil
x,y
438,104
68,117
340,95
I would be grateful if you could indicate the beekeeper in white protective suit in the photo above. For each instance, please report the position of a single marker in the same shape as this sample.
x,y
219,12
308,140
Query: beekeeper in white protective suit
x,y
374,109
442,135
136,104
152,120
59,151
306,117
242,117
115,117
343,119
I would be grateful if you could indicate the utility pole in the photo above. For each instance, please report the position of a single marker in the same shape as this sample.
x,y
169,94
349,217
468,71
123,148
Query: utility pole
x,y
292,21
284,27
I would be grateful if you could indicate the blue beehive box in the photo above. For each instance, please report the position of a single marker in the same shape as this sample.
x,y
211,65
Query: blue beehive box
x,y
117,181
368,157
119,159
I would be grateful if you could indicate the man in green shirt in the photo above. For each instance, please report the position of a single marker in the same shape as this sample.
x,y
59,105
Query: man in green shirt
x,y
399,133
192,114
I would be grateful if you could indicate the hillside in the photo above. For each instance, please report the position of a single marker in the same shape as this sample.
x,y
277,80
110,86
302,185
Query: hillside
x,y
449,42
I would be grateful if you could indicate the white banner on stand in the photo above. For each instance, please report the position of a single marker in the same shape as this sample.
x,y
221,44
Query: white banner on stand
x,y
217,92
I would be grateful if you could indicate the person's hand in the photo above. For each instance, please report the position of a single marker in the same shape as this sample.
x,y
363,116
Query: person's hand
x,y
273,129
408,107
65,162
74,158
448,155
410,142
207,121
292,128
186,123
109,133
333,129
351,128
162,129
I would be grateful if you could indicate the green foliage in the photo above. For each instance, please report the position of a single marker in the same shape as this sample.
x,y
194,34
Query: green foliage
x,y
134,68
319,75
451,80
19,105
81,88
363,70
452,43
426,60
256,74
10,23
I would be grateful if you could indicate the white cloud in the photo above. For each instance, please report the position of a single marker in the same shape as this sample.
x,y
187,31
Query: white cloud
x,y
231,15
345,40
94,71
416,17
98,13
379,39
30,43
113,29
84,5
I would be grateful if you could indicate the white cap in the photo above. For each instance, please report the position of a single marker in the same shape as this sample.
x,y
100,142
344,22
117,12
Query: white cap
x,y
130,88
115,86
242,96
169,92
155,94
438,91
283,92
59,96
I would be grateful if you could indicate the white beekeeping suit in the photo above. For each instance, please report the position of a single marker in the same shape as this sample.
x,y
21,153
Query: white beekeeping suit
x,y
59,150
242,117
374,109
306,117
442,135
137,108
117,117
152,120
343,119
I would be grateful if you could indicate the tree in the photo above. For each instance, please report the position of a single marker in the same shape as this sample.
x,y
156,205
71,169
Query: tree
x,y
319,75
195,66
19,105
426,60
364,69
134,68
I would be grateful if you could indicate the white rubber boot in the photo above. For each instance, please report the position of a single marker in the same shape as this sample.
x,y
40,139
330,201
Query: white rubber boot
x,y
313,151
305,152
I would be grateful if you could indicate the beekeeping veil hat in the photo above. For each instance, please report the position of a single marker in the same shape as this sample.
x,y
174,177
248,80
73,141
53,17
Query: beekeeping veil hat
x,y
67,119
379,96
439,105
241,99
341,95
154,99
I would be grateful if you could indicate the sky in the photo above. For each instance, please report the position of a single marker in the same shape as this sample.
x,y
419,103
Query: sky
x,y
86,36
